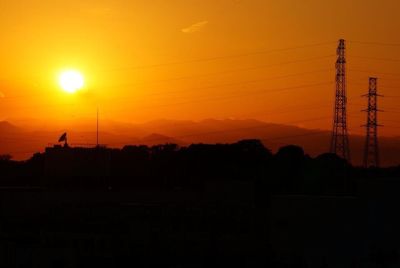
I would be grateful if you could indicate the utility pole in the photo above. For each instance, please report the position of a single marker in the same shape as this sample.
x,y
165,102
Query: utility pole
x,y
371,150
340,139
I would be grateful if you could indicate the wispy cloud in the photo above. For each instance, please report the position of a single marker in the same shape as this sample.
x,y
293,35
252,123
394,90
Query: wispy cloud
x,y
195,27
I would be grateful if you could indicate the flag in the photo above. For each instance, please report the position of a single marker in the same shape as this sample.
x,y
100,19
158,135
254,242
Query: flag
x,y
63,137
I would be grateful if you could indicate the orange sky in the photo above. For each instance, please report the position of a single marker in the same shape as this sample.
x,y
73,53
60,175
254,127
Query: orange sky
x,y
196,59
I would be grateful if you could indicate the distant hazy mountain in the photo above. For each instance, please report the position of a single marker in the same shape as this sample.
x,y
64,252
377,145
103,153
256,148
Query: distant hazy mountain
x,y
6,127
155,138
22,143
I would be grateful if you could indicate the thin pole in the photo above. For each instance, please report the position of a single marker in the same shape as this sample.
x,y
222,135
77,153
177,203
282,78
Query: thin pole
x,y
97,128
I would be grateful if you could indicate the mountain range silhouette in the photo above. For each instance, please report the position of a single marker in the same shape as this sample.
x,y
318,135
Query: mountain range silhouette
x,y
21,142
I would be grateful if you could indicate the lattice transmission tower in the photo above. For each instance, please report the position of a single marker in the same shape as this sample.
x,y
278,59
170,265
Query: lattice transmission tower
x,y
371,150
340,139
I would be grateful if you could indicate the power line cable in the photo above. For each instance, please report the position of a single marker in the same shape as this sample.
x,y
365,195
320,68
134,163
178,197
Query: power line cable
x,y
373,58
223,57
216,98
374,43
373,72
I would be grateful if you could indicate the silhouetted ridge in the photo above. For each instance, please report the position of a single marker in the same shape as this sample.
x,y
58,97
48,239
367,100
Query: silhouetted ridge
x,y
22,144
169,165
194,205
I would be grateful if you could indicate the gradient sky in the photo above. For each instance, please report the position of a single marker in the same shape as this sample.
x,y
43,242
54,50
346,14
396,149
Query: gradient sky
x,y
196,59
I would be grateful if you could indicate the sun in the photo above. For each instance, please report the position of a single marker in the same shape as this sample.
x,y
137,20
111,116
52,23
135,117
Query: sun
x,y
71,81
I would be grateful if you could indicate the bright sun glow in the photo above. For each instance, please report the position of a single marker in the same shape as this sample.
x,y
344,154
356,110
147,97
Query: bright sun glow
x,y
71,81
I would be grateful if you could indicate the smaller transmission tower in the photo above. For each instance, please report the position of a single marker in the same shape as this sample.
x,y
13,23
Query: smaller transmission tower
x,y
340,139
371,151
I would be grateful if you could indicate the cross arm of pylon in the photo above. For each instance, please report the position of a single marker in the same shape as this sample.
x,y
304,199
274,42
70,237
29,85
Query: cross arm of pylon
x,y
372,94
366,125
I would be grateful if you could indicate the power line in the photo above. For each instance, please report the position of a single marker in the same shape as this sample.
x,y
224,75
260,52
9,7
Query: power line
x,y
223,57
259,92
234,83
216,98
225,85
364,76
389,120
236,70
373,72
364,85
392,111
293,110
376,43
213,74
376,59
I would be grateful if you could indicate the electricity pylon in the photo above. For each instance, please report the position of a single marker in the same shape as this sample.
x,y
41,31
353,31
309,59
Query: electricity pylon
x,y
371,150
340,139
